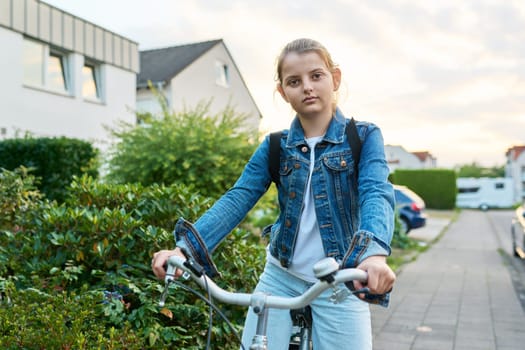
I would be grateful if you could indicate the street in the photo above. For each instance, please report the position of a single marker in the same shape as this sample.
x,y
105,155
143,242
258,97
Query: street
x,y
464,292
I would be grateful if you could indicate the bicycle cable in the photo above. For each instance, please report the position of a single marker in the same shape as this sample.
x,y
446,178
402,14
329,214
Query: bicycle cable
x,y
212,306
210,317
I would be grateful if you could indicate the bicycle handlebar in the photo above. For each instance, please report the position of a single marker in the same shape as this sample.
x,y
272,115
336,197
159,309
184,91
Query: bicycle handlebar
x,y
327,270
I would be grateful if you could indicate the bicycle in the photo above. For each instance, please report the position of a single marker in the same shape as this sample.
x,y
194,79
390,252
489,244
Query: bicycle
x,y
327,271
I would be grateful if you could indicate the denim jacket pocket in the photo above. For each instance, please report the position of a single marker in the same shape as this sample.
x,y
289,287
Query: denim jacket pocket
x,y
339,162
340,166
285,169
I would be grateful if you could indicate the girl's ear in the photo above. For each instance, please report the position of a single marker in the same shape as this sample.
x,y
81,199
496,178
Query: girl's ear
x,y
281,91
336,78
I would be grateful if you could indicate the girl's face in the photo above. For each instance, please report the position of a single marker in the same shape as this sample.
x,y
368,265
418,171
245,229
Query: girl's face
x,y
308,85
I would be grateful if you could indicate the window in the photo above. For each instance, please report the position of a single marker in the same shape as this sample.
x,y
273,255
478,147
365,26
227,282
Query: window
x,y
499,185
468,189
56,72
222,74
33,63
45,67
91,82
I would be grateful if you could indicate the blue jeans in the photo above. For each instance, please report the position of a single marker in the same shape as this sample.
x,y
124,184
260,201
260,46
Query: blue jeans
x,y
343,326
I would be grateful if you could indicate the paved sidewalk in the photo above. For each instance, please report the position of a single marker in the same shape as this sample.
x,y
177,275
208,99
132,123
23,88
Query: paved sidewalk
x,y
437,221
457,295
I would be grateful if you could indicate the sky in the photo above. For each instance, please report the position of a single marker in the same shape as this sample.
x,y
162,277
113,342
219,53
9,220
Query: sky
x,y
442,76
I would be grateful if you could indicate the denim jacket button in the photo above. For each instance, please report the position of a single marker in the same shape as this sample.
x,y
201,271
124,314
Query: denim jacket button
x,y
343,163
304,149
292,195
288,223
297,165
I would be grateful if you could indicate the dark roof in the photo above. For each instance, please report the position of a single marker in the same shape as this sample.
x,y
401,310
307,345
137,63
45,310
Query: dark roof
x,y
161,65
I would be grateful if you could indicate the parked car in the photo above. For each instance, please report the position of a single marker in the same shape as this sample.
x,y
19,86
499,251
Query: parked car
x,y
410,208
518,232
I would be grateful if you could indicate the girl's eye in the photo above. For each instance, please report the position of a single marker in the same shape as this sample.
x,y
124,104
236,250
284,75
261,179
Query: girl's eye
x,y
293,82
316,76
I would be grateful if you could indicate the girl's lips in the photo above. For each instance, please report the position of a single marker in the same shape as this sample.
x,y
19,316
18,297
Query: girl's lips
x,y
309,99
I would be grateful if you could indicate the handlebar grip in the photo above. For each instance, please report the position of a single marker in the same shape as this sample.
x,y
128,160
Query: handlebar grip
x,y
174,262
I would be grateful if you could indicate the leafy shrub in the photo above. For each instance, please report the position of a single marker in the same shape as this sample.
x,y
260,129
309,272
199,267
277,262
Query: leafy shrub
x,y
400,238
54,161
31,319
193,148
108,228
98,244
18,195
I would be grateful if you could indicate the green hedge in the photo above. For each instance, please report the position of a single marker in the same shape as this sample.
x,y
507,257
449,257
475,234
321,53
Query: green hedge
x,y
92,252
437,187
54,161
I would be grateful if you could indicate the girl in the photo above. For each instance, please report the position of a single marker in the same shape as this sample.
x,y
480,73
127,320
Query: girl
x,y
325,209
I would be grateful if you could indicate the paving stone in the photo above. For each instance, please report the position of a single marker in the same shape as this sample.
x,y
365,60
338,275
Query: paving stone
x,y
457,295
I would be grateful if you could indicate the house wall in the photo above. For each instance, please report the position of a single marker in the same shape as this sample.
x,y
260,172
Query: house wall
x,y
43,112
516,170
200,76
398,158
148,102
197,84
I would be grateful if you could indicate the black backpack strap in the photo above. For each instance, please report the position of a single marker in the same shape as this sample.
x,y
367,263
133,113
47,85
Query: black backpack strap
x,y
275,155
355,143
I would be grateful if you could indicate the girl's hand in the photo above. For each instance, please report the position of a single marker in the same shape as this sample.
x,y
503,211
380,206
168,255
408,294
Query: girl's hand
x,y
381,278
160,259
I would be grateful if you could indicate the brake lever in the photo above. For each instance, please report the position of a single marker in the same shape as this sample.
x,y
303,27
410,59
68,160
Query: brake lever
x,y
364,290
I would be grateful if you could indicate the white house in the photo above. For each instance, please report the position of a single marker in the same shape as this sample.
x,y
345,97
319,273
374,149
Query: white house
x,y
62,75
187,75
515,168
399,158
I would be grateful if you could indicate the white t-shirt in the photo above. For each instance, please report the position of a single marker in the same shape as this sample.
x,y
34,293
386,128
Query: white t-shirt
x,y
308,246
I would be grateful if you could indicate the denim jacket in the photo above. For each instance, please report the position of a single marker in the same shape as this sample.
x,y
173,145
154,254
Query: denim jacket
x,y
355,216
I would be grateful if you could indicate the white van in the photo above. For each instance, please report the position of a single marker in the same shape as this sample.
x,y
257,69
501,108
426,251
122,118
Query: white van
x,y
485,193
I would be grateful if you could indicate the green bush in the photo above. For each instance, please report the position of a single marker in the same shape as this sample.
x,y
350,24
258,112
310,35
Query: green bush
x,y
100,227
31,319
193,148
437,187
98,244
54,161
18,195
400,238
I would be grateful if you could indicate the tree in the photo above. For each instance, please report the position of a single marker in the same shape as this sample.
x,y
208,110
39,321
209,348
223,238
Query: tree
x,y
191,147
475,170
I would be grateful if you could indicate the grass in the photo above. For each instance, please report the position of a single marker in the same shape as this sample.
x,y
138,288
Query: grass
x,y
400,257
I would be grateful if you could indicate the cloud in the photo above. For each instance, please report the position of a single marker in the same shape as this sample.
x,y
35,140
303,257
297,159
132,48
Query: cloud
x,y
444,76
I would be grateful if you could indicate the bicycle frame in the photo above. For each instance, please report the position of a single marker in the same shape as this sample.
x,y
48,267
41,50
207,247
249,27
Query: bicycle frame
x,y
326,270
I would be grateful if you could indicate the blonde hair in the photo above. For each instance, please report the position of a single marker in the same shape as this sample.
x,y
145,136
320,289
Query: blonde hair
x,y
301,46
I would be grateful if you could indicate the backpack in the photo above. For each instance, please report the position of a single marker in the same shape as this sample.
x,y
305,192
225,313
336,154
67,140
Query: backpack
x,y
275,149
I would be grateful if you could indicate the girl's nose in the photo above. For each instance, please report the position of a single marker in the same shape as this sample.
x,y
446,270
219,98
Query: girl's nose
x,y
307,86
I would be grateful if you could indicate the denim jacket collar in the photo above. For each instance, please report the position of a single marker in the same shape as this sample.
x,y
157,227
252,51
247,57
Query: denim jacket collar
x,y
334,134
